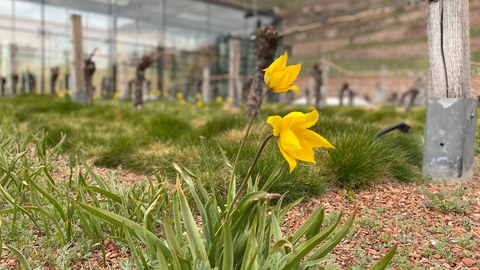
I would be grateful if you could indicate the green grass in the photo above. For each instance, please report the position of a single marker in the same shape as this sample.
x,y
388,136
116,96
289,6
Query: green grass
x,y
148,142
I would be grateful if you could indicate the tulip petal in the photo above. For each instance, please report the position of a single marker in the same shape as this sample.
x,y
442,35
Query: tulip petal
x,y
294,88
289,140
290,118
267,78
292,72
296,120
313,138
291,161
274,122
304,154
309,120
278,64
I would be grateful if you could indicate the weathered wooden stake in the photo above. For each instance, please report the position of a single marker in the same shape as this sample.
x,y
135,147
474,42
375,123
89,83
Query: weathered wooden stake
x,y
233,69
144,63
13,68
325,79
3,83
317,74
89,70
54,72
206,84
266,43
78,75
451,112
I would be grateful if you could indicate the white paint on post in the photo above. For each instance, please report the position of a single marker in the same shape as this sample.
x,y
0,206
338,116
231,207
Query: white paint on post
x,y
77,63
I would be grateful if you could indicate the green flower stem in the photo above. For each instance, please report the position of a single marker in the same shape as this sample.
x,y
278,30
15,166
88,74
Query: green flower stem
x,y
250,170
242,145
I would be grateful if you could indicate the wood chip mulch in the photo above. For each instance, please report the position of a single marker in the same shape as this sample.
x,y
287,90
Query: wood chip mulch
x,y
428,237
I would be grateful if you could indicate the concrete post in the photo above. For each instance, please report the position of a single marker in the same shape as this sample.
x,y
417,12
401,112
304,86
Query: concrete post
x,y
451,112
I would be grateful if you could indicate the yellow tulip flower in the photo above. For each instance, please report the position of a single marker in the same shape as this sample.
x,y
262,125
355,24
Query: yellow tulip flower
x,y
279,77
219,100
200,103
179,95
295,140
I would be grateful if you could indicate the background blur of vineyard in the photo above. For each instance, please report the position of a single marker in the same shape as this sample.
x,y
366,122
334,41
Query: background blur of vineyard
x,y
378,47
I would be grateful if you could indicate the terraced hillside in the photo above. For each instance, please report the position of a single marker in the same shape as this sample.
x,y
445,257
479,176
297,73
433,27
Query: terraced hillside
x,y
366,36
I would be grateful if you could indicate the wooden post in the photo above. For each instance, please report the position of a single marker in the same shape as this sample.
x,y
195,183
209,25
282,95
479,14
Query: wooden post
x,y
54,72
326,76
160,84
13,69
206,84
317,74
381,89
78,76
145,62
233,69
124,90
266,42
451,112
89,70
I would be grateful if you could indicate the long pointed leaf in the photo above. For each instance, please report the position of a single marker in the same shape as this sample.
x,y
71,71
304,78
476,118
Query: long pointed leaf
x,y
327,247
21,258
120,221
228,259
306,247
198,250
383,263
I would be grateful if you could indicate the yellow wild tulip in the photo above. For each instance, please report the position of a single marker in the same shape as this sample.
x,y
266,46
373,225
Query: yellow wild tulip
x,y
219,100
296,141
200,103
279,77
180,96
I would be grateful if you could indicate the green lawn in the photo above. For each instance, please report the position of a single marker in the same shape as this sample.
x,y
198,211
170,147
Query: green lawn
x,y
113,134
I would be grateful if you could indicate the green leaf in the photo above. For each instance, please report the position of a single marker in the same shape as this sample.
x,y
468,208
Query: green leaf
x,y
21,258
310,227
178,256
274,176
119,221
198,251
14,204
51,199
227,248
133,250
12,210
105,193
306,247
327,247
383,263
